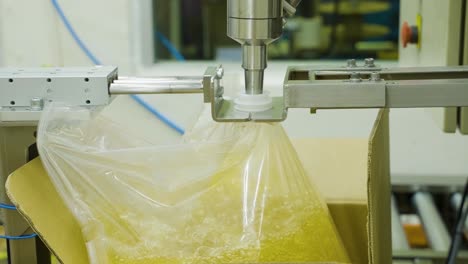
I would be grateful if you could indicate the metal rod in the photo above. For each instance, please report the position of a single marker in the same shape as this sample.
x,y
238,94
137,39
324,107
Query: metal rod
x,y
434,227
159,79
399,241
391,74
157,82
157,85
162,88
456,202
425,254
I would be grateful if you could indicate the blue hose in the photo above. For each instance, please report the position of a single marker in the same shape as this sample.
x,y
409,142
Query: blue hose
x,y
168,45
73,33
158,114
18,237
96,61
12,207
7,206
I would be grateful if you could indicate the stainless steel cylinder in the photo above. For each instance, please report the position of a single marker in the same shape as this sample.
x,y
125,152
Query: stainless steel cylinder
x,y
255,21
254,57
434,227
163,85
254,24
157,79
116,89
256,9
254,61
254,81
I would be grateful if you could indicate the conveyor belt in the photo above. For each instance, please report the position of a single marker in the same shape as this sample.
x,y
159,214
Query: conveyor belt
x,y
436,208
456,202
399,240
434,226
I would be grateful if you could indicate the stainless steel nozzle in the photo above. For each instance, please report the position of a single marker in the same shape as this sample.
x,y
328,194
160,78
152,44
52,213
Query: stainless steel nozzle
x,y
254,81
254,62
254,24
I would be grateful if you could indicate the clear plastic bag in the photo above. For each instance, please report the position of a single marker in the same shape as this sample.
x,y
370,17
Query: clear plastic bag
x,y
227,193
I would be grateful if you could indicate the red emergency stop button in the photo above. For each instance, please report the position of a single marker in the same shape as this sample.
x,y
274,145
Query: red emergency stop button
x,y
409,34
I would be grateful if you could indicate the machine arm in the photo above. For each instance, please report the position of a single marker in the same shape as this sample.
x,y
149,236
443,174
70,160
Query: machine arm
x,y
368,86
24,92
372,88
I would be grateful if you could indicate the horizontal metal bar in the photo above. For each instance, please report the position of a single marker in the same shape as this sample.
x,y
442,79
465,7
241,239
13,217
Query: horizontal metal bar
x,y
426,254
305,94
175,79
343,87
427,93
371,94
168,88
341,75
426,188
425,73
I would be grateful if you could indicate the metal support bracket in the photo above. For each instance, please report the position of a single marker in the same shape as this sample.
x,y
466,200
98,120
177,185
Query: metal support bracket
x,y
368,86
375,87
223,108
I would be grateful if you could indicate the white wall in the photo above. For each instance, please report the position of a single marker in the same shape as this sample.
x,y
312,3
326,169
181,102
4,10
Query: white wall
x,y
440,37
440,44
116,31
419,147
29,33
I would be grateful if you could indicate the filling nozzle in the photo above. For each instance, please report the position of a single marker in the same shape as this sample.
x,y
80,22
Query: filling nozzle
x,y
254,62
254,81
254,24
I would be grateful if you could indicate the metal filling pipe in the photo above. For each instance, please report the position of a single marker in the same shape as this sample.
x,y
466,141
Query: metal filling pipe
x,y
254,24
434,227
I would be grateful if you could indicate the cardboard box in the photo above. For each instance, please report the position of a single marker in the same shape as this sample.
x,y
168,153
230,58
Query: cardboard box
x,y
352,175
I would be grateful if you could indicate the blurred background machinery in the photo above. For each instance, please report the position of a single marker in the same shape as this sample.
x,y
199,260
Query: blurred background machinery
x,y
423,220
321,29
425,206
